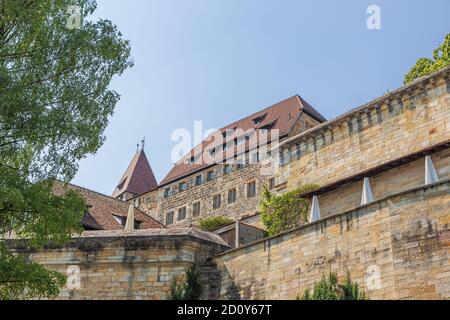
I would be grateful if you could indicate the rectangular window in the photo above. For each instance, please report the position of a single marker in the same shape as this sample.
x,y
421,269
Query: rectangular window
x,y
181,214
231,195
251,189
255,157
169,218
240,163
166,192
271,183
182,186
198,180
210,175
226,169
196,209
216,201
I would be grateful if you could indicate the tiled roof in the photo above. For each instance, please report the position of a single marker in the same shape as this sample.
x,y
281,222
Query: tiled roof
x,y
138,178
102,208
282,115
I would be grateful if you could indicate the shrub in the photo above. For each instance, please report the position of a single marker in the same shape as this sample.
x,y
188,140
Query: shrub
x,y
211,224
286,211
329,289
190,289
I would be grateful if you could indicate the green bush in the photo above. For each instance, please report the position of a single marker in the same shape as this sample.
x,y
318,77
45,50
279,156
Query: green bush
x,y
284,212
329,289
211,224
190,289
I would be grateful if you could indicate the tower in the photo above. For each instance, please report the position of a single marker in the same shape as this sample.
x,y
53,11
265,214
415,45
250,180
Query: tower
x,y
137,179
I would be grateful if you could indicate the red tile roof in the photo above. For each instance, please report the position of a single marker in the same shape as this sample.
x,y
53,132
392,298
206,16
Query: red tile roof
x,y
102,209
138,178
282,115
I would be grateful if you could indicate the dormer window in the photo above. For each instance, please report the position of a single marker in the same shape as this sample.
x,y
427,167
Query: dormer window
x,y
259,119
269,126
212,152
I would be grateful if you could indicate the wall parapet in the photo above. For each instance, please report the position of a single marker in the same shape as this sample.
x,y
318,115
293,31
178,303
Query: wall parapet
x,y
395,248
390,101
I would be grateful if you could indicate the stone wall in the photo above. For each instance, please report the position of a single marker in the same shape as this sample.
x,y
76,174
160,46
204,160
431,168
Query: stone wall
x,y
397,179
406,121
395,248
106,265
221,184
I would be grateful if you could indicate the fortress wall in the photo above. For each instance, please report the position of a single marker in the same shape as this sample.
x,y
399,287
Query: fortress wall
x,y
407,121
401,178
396,248
122,266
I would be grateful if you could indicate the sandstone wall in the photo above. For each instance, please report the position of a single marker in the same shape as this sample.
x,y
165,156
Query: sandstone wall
x,y
395,248
238,178
111,266
401,178
406,121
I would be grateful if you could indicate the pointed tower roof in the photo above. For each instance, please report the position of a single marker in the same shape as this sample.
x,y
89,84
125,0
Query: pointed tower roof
x,y
138,178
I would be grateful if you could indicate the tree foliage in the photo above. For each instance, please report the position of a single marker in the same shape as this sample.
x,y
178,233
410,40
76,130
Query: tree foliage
x,y
284,212
190,289
214,223
54,106
425,66
329,289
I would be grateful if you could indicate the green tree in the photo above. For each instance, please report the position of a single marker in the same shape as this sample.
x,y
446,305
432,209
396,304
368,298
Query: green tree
x,y
284,212
211,224
328,288
190,289
54,106
425,66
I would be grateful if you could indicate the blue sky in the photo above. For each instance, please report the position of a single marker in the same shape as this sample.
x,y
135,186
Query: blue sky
x,y
220,60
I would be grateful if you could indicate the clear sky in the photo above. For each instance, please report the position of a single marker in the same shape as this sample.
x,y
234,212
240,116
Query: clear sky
x,y
220,60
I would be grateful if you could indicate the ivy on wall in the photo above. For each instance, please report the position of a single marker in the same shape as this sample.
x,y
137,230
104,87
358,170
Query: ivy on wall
x,y
284,212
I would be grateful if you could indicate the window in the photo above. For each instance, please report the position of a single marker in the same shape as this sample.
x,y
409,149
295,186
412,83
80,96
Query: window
x,y
226,169
182,186
255,157
259,119
181,214
216,201
231,195
120,220
166,192
192,160
269,126
198,180
196,209
251,189
240,163
240,140
169,218
212,152
210,175
271,183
